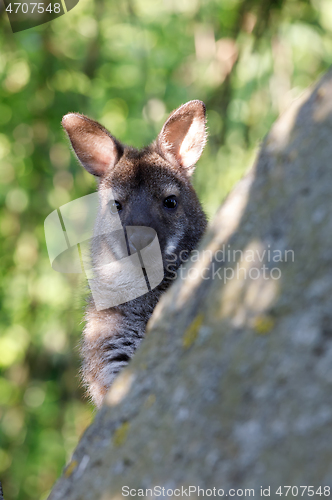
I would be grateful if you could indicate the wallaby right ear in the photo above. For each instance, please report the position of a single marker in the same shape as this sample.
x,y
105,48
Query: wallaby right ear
x,y
94,146
183,136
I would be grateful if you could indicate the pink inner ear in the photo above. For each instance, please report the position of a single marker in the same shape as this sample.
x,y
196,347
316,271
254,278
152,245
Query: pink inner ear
x,y
193,143
94,147
183,136
176,133
100,149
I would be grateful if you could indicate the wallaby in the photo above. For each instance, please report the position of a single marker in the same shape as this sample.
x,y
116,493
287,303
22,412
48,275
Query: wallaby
x,y
151,188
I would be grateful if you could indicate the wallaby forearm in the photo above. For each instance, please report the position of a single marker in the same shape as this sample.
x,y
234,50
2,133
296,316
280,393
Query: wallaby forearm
x,y
110,339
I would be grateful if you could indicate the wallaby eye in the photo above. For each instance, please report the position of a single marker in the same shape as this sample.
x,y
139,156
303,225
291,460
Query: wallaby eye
x,y
115,207
170,203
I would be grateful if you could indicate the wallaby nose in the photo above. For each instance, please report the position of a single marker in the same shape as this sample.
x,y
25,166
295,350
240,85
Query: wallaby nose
x,y
139,237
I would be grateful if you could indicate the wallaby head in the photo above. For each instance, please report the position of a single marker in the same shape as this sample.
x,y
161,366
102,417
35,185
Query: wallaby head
x,y
152,186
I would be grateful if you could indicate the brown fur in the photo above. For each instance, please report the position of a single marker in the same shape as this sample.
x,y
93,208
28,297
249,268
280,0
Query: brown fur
x,y
141,181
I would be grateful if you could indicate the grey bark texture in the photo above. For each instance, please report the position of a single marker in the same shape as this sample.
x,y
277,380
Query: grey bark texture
x,y
232,386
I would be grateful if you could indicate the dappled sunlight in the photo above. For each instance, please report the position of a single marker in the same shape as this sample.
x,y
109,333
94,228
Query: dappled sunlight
x,y
248,291
120,388
226,223
281,133
324,109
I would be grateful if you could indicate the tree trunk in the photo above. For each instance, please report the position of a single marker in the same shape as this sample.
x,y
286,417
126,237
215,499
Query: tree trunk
x,y
232,386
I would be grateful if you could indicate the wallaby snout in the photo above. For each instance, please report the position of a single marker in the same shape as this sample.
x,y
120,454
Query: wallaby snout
x,y
139,237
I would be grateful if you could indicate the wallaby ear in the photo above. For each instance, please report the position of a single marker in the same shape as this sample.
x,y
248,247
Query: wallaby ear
x,y
94,146
183,136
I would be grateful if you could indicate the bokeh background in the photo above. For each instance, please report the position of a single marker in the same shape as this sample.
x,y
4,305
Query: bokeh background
x,y
127,64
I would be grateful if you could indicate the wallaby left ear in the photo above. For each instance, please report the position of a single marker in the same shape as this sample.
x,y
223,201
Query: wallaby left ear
x,y
183,136
97,150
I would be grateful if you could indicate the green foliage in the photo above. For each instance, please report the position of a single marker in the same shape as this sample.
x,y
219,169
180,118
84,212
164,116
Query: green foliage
x,y
126,64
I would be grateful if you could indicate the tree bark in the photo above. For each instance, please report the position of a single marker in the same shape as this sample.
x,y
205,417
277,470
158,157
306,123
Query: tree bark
x,y
232,386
